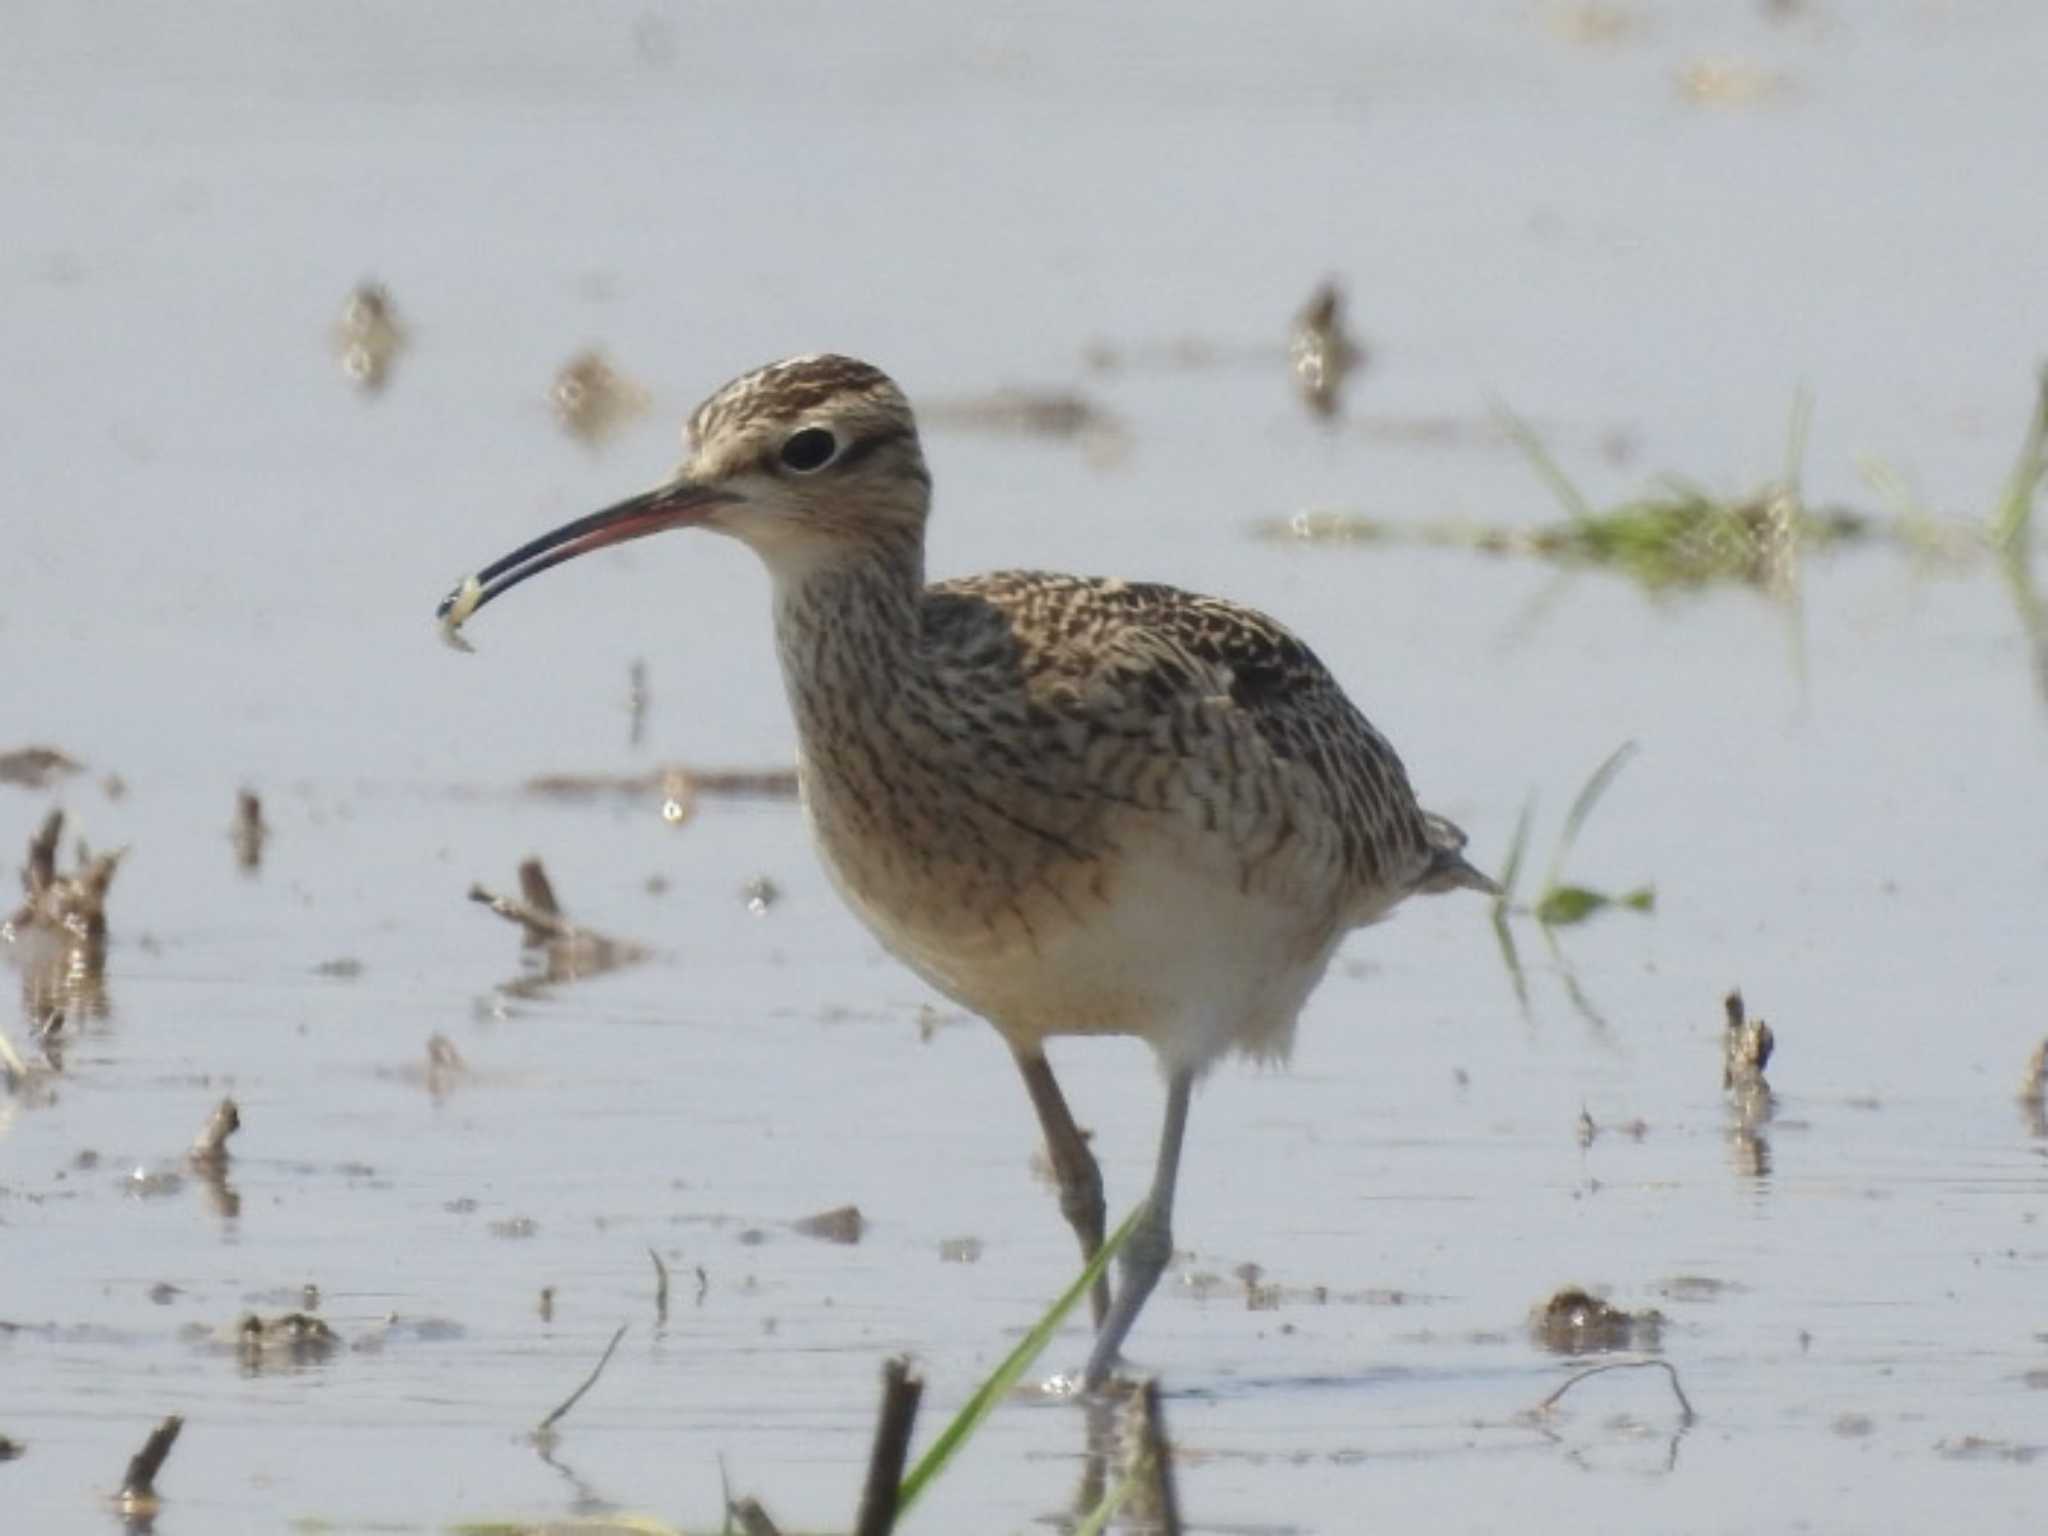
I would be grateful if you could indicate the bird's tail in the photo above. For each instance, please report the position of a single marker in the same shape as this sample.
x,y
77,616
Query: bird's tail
x,y
1448,869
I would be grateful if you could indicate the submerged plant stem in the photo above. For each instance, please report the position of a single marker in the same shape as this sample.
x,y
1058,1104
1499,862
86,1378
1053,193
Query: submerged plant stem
x,y
589,1381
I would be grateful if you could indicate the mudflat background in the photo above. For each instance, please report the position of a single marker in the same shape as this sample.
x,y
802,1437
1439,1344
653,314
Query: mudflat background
x,y
1648,230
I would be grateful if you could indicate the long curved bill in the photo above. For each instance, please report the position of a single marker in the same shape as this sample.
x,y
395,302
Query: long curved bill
x,y
678,504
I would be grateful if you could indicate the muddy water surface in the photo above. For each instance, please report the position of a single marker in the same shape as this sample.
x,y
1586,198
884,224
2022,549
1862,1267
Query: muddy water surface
x,y
1641,230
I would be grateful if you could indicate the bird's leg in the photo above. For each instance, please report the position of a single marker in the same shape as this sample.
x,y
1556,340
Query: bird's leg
x,y
1073,1167
1150,1245
1102,1445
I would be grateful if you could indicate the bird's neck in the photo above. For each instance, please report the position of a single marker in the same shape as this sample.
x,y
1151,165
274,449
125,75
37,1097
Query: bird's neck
x,y
847,625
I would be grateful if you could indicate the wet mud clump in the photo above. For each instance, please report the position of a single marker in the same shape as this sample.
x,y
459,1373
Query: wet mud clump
x,y
292,1338
841,1224
298,1338
60,929
1573,1321
1746,1047
1320,351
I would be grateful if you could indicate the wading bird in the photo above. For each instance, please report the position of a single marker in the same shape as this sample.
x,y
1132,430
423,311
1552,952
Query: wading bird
x,y
1074,806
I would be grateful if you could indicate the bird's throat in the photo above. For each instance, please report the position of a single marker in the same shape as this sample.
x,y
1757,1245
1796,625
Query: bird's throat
x,y
847,626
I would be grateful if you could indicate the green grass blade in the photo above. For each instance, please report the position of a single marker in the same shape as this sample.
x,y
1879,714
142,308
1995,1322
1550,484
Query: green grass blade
x,y
1511,866
2009,519
1006,1375
1519,432
1099,1517
1511,958
1582,807
1795,440
1575,994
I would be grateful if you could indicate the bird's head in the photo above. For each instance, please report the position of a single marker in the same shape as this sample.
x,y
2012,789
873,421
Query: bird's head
x,y
809,461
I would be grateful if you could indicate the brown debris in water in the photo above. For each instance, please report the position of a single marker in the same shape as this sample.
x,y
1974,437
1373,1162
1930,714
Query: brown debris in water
x,y
660,1287
1023,413
1985,1448
592,399
1056,415
1698,1288
444,1065
537,890
678,799
1590,1130
74,903
544,1433
1573,1321
841,1224
138,1498
440,1073
674,785
208,1159
61,926
294,1338
210,1147
571,952
367,337
36,767
1321,353
2034,1091
1746,1047
902,1391
249,830
1260,1294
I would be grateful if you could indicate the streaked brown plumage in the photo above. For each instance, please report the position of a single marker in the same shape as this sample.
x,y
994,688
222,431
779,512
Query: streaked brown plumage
x,y
1075,806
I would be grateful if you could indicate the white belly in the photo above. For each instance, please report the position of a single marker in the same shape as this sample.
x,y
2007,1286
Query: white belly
x,y
1161,941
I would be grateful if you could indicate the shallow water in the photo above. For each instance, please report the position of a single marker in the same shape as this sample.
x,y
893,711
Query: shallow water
x,y
220,566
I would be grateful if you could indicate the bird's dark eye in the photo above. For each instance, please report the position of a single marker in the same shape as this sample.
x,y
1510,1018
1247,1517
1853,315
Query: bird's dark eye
x,y
810,449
